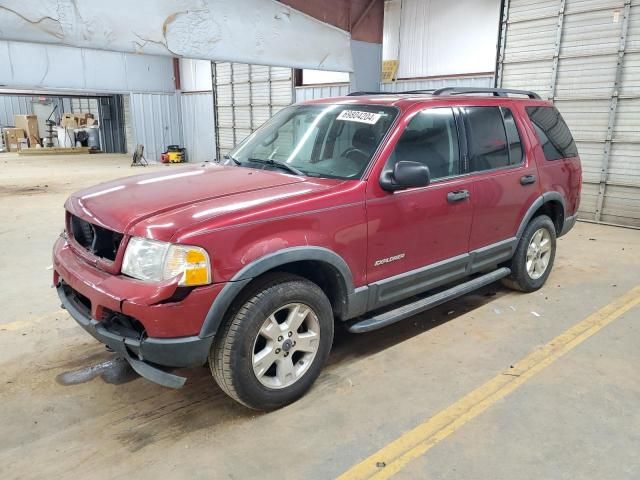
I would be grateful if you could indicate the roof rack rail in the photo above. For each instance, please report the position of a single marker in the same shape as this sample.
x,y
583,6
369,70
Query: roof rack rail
x,y
359,94
446,91
356,94
498,92
429,91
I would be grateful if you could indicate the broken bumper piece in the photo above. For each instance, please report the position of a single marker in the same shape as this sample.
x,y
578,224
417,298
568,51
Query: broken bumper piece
x,y
147,356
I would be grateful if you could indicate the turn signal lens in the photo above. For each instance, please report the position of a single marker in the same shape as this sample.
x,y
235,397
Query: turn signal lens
x,y
192,262
154,261
196,256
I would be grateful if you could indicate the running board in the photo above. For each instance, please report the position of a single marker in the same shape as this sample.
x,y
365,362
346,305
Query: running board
x,y
405,311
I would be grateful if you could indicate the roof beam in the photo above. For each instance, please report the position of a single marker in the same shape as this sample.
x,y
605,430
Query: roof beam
x,y
367,9
368,14
250,31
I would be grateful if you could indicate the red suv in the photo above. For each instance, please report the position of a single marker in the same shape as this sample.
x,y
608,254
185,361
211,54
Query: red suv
x,y
365,209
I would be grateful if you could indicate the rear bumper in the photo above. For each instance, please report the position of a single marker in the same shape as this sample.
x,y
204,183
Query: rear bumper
x,y
569,222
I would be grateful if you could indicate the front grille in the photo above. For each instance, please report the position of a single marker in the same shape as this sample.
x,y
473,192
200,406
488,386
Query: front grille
x,y
99,241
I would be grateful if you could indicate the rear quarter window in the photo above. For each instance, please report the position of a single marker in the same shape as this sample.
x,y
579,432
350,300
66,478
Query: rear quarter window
x,y
553,133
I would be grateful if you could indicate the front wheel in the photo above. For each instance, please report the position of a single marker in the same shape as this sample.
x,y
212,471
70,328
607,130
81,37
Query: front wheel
x,y
274,345
532,262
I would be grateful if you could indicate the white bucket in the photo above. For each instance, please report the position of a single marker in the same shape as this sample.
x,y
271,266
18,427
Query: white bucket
x,y
66,137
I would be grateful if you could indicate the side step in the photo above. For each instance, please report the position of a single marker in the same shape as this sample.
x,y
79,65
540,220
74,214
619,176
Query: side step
x,y
405,311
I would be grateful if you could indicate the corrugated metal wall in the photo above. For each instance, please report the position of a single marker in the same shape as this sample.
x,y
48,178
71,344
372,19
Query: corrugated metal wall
x,y
153,120
246,96
85,105
431,83
106,109
197,126
441,37
111,121
156,122
11,105
128,124
323,91
310,92
585,56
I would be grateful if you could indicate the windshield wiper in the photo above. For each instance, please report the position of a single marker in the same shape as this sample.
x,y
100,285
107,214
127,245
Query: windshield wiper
x,y
277,163
237,162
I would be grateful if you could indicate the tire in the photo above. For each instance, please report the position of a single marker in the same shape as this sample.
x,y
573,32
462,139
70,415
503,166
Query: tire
x,y
530,279
272,305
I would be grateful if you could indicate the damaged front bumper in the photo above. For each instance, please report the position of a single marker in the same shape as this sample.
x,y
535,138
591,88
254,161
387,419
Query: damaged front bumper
x,y
141,322
146,355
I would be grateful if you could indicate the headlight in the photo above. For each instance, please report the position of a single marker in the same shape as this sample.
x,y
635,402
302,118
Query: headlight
x,y
155,261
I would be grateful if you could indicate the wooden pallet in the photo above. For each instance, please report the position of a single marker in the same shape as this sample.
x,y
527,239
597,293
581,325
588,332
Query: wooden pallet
x,y
53,151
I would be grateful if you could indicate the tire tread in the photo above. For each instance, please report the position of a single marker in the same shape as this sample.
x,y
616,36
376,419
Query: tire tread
x,y
220,356
519,279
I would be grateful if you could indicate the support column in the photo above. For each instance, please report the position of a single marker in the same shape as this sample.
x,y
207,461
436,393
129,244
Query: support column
x,y
367,65
556,52
613,105
503,43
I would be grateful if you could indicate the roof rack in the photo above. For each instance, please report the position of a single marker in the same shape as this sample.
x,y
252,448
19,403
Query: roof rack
x,y
429,91
446,91
357,94
498,92
360,94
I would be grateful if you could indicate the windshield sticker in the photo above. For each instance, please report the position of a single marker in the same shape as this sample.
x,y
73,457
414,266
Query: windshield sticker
x,y
361,117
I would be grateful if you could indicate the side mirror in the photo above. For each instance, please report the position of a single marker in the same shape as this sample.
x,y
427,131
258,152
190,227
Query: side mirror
x,y
405,174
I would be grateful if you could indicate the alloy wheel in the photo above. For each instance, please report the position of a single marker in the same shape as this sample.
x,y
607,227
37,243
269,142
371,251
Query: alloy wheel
x,y
538,253
286,345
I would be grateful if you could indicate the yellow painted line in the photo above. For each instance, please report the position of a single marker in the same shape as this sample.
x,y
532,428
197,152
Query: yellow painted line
x,y
414,443
22,324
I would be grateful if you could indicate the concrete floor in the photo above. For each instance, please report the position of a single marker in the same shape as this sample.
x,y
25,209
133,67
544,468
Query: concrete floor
x,y
578,418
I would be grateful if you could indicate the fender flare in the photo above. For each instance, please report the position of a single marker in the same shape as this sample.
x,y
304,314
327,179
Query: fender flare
x,y
230,291
540,201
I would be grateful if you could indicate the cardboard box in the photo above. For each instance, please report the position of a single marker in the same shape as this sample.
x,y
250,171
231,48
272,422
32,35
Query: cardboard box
x,y
68,120
83,119
29,123
12,138
76,120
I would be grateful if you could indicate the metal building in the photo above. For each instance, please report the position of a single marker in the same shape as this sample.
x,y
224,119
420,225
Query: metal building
x,y
246,96
585,56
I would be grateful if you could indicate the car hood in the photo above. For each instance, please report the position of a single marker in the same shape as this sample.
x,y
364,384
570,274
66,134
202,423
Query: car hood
x,y
120,204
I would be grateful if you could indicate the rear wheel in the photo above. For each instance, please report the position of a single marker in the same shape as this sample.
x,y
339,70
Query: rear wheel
x,y
274,345
534,256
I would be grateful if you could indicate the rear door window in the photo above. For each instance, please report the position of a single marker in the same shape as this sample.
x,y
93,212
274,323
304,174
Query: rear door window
x,y
486,138
554,135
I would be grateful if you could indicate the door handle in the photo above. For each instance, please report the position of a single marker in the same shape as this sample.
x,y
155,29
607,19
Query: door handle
x,y
457,195
527,179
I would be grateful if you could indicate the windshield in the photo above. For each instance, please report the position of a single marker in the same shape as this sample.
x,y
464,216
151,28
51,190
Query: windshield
x,y
335,141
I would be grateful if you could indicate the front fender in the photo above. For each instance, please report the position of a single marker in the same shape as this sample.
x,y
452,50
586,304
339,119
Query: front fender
x,y
264,264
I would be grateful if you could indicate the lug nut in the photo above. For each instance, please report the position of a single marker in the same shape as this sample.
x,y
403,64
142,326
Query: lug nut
x,y
290,333
277,350
286,354
280,338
